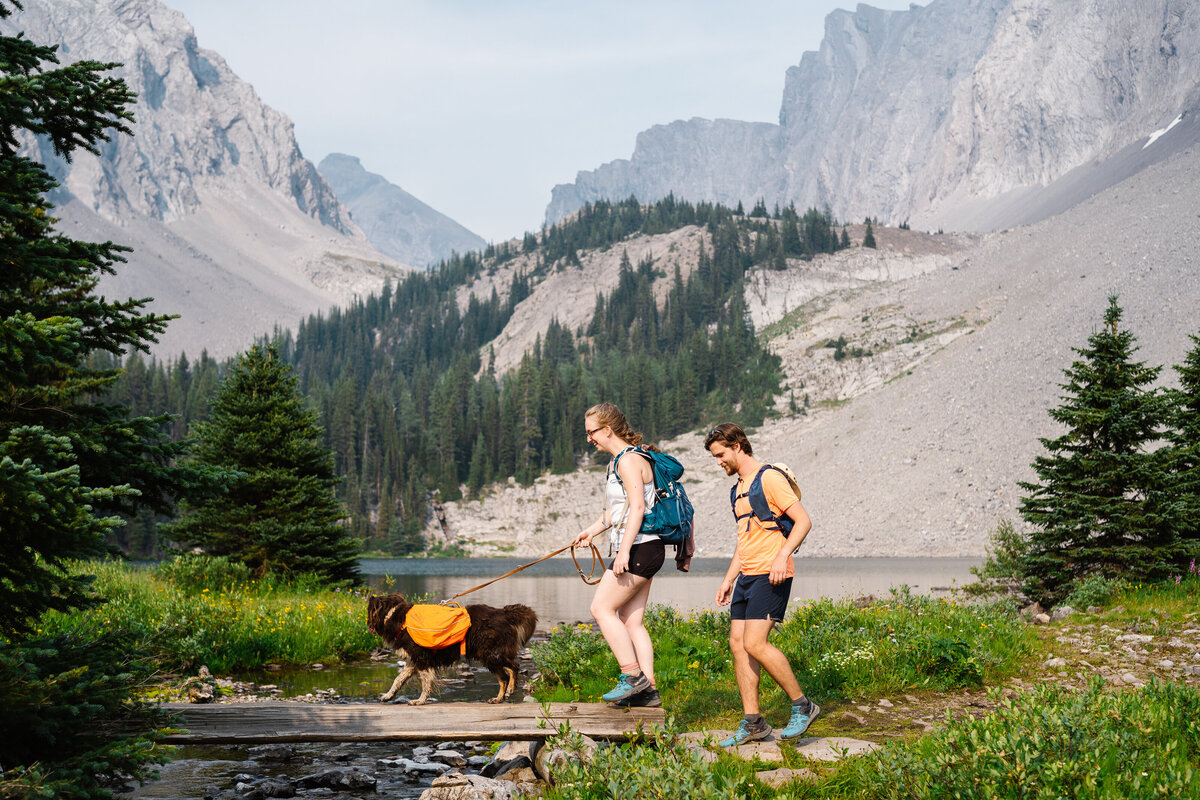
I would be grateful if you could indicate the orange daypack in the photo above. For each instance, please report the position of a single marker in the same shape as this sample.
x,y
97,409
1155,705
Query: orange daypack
x,y
438,626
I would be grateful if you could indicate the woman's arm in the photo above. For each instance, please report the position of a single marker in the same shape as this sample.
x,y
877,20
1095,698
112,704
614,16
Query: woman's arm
x,y
629,470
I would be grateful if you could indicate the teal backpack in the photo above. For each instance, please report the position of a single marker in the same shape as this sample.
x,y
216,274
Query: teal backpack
x,y
670,518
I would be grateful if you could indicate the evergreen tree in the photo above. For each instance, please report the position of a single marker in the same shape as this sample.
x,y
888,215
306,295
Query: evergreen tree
x,y
869,236
69,463
281,515
1184,451
1102,503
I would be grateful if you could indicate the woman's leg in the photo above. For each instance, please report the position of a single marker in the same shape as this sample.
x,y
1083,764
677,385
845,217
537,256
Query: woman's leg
x,y
612,594
632,614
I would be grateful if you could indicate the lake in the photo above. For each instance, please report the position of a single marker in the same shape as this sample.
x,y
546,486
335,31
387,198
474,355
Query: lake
x,y
554,590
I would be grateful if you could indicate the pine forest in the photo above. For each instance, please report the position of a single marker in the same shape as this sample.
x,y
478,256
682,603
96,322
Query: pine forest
x,y
409,399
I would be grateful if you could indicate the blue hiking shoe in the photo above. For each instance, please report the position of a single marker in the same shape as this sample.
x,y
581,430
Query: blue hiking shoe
x,y
627,686
800,721
747,733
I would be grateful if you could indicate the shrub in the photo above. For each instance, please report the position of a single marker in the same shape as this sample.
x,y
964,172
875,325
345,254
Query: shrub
x,y
661,766
1095,590
195,573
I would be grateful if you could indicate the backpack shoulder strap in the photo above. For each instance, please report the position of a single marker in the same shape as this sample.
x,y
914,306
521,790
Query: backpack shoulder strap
x,y
640,452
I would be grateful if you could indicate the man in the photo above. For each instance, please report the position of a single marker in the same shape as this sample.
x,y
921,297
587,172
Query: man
x,y
768,533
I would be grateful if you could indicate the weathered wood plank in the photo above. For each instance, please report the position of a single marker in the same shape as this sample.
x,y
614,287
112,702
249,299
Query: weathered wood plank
x,y
260,723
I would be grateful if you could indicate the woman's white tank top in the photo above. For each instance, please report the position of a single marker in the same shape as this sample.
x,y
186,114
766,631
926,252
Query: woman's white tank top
x,y
614,493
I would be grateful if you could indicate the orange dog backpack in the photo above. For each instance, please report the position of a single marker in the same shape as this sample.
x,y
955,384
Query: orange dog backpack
x,y
438,626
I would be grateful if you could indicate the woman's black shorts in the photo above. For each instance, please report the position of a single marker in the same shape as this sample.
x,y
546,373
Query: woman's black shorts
x,y
646,559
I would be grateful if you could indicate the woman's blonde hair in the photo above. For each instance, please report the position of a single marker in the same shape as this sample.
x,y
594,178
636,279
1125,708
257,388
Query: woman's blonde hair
x,y
608,414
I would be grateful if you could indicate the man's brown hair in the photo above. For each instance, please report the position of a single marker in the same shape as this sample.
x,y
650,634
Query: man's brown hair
x,y
729,434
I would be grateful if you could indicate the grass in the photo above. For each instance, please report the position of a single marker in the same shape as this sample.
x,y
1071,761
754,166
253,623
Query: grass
x,y
1098,743
838,650
226,626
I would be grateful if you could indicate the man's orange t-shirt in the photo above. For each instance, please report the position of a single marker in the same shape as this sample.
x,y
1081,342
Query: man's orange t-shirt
x,y
758,546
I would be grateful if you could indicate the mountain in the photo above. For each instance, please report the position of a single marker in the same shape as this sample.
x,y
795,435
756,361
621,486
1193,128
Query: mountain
x,y
914,448
231,226
396,223
961,113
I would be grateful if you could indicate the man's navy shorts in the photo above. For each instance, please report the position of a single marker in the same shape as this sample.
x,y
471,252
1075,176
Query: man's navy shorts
x,y
755,598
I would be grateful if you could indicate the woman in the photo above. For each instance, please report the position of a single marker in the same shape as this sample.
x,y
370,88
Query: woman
x,y
620,600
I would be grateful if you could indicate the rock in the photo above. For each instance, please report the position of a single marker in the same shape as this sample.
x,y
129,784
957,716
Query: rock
x,y
426,767
1135,637
1166,663
852,717
776,778
1041,619
553,757
886,703
451,757
522,775
277,787
422,751
203,693
1130,678
1191,669
1054,663
832,748
203,673
478,762
272,752
498,768
1061,613
338,779
510,750
1032,610
456,786
1094,609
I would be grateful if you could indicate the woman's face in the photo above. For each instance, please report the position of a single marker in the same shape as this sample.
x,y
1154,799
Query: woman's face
x,y
593,428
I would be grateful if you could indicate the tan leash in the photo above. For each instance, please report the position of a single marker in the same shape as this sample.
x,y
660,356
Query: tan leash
x,y
596,558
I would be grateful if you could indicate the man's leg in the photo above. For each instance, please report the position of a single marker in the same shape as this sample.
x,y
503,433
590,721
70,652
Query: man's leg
x,y
761,652
745,666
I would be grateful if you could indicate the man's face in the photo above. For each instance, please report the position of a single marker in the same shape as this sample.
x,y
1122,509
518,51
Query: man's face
x,y
727,457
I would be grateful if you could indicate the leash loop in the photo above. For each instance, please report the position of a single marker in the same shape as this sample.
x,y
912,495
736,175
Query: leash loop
x,y
596,558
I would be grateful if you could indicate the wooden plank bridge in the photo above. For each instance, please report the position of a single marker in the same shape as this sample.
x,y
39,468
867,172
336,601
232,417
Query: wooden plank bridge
x,y
278,721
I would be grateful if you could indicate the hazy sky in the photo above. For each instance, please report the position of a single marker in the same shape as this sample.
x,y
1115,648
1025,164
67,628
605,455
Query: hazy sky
x,y
480,108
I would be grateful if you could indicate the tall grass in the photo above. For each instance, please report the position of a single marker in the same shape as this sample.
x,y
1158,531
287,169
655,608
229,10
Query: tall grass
x,y
1048,743
226,620
837,649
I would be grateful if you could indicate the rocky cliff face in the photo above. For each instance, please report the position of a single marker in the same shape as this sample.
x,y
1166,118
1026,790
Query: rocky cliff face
x,y
231,225
910,114
396,223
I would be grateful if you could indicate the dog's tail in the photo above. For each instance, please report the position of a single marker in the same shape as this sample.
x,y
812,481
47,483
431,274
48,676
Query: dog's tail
x,y
523,619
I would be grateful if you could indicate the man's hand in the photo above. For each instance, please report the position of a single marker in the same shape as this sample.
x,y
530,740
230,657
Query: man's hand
x,y
724,592
778,572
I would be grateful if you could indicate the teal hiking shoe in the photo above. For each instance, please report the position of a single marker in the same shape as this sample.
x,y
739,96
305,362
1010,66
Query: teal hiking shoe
x,y
648,698
626,687
746,733
618,691
800,721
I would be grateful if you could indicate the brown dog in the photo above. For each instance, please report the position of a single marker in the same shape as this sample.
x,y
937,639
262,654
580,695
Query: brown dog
x,y
495,637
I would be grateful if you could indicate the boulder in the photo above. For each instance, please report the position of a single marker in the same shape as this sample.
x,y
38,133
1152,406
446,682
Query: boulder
x,y
1032,610
338,779
554,756
272,752
1041,619
1061,613
776,778
456,786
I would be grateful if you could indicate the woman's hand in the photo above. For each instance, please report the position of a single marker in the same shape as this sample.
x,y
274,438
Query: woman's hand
x,y
584,538
620,564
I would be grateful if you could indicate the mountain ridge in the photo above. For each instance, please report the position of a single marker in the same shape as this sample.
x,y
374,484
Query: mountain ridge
x,y
906,115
